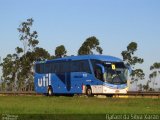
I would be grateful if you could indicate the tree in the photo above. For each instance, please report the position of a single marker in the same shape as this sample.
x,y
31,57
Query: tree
x,y
155,69
28,37
132,60
17,68
29,40
140,87
91,44
136,75
40,54
60,51
128,55
19,50
146,87
9,71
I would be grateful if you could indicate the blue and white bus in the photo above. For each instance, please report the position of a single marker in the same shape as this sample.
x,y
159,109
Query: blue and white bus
x,y
86,74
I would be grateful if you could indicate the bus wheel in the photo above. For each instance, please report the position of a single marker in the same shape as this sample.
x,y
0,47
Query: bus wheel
x,y
89,92
50,91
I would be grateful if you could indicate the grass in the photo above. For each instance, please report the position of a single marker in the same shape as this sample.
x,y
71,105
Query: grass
x,y
77,105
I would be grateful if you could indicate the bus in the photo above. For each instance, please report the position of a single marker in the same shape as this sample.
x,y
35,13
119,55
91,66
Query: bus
x,y
84,74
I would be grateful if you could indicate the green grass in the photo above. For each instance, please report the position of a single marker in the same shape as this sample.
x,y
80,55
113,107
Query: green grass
x,y
77,105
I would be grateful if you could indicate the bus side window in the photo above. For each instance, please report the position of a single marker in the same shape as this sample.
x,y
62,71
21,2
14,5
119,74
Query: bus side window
x,y
86,66
38,68
47,68
80,66
74,66
52,68
66,66
98,73
57,67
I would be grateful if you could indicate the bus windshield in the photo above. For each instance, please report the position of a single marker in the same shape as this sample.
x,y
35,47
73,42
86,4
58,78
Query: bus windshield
x,y
115,73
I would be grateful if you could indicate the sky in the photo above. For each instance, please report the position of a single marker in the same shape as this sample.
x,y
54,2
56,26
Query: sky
x,y
115,23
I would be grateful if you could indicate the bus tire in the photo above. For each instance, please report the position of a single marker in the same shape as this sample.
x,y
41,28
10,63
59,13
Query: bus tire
x,y
89,91
50,91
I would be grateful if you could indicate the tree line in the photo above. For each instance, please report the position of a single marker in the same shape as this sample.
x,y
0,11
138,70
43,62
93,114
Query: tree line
x,y
17,68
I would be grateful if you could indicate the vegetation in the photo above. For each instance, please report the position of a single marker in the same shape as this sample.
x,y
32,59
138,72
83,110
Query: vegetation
x,y
17,68
155,69
146,87
91,44
131,60
41,105
60,51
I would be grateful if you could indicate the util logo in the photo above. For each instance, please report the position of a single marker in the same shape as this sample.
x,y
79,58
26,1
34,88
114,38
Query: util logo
x,y
44,81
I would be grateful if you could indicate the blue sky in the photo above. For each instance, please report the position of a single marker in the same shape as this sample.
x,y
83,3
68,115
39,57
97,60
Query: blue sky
x,y
115,23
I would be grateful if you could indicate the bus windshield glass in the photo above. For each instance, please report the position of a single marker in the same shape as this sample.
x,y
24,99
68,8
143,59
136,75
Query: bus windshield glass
x,y
115,73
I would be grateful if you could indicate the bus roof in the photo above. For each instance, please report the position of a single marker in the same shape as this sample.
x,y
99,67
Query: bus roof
x,y
84,57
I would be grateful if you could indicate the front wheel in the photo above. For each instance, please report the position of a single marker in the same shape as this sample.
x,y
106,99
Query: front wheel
x,y
89,92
